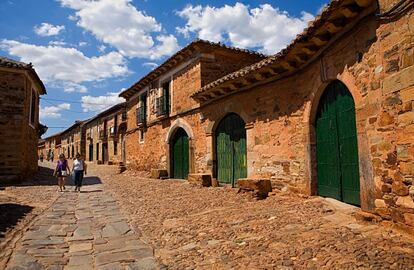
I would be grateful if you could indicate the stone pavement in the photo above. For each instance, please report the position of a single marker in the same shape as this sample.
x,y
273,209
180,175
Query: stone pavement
x,y
82,231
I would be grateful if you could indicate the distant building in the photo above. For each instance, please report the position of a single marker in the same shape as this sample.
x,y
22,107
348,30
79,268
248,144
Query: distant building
x,y
20,88
51,146
73,140
105,135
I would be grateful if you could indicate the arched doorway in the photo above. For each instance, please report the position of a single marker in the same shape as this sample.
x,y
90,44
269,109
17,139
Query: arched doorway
x,y
337,145
231,149
180,154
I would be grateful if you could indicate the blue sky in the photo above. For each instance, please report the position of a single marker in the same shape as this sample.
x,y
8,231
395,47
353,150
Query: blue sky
x,y
86,51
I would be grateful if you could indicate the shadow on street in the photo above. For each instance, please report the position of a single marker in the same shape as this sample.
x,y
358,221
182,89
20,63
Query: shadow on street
x,y
11,214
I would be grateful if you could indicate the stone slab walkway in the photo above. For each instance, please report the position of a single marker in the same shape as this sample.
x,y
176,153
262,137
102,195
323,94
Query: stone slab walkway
x,y
82,231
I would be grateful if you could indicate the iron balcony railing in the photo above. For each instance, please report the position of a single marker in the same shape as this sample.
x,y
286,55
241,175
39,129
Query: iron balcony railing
x,y
124,116
141,116
162,106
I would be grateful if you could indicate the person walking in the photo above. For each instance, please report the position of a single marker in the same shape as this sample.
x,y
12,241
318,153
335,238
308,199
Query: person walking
x,y
62,170
79,170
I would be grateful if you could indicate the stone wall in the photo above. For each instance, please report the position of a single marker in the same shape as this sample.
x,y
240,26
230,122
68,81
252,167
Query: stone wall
x,y
189,75
375,61
18,154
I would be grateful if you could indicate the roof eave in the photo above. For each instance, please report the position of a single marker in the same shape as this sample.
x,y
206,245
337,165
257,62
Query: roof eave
x,y
304,49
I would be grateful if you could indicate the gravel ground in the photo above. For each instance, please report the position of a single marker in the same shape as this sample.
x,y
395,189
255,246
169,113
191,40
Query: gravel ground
x,y
217,228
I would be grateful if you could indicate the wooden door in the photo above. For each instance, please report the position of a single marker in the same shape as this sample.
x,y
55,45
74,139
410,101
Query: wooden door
x,y
231,149
97,152
180,154
336,145
104,152
91,152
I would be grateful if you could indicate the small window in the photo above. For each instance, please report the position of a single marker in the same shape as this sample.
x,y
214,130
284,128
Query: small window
x,y
33,108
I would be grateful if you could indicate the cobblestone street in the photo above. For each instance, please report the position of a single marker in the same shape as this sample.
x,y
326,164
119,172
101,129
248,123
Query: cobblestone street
x,y
132,222
82,231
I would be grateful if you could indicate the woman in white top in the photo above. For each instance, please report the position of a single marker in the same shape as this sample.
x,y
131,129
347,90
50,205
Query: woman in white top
x,y
79,169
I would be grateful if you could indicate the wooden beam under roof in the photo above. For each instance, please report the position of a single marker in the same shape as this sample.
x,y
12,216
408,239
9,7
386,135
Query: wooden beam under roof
x,y
349,11
363,3
334,26
321,39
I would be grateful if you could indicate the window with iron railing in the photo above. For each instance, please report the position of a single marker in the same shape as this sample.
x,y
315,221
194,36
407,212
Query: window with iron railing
x,y
163,102
141,115
142,110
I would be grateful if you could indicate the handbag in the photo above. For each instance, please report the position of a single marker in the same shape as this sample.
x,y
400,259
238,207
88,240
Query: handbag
x,y
64,173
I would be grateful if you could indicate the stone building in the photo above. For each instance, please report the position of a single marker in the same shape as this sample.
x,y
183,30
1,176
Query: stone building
x,y
52,144
105,136
73,140
41,150
20,88
332,114
159,102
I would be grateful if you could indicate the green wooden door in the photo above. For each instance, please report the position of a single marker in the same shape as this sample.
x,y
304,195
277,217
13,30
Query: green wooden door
x,y
336,145
180,154
231,150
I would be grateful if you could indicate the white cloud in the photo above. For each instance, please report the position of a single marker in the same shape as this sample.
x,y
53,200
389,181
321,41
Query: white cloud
x,y
101,48
267,28
120,24
67,67
83,43
100,103
53,111
57,43
74,87
47,29
150,65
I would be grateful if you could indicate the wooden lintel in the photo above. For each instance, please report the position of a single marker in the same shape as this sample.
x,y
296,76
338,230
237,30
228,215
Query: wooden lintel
x,y
363,3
